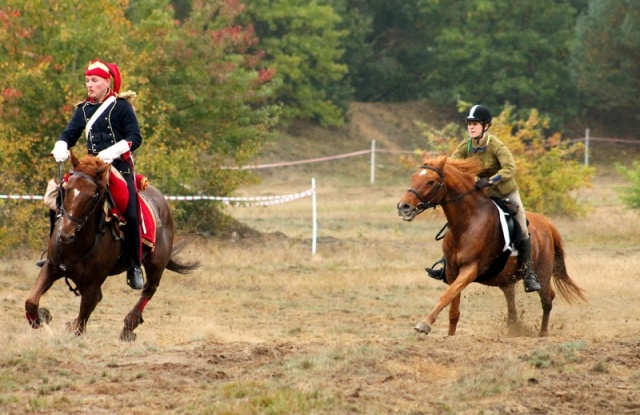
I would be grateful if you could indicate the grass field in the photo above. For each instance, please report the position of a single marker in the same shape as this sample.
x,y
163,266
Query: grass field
x,y
265,327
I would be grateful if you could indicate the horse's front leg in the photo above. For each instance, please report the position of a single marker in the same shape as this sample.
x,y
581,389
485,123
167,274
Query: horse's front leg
x,y
90,296
466,276
510,295
44,281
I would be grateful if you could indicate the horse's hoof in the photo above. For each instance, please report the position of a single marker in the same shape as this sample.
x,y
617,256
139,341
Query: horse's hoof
x,y
422,327
44,315
127,336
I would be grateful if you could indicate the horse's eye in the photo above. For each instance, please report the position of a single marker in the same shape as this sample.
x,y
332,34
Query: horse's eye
x,y
431,182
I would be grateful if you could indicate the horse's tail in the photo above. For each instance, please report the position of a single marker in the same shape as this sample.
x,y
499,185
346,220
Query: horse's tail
x,y
176,264
566,287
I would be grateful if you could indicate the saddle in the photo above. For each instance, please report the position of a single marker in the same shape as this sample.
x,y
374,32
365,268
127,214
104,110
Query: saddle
x,y
117,200
511,230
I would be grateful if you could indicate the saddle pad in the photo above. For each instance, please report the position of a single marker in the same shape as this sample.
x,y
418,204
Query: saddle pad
x,y
148,222
505,228
120,196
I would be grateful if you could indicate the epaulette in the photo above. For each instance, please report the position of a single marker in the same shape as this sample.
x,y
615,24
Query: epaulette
x,y
129,96
79,103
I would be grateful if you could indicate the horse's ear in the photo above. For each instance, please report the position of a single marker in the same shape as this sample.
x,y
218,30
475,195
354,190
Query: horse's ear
x,y
441,161
425,157
100,172
74,159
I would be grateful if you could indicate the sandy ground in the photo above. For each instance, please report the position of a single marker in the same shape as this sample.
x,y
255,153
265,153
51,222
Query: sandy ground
x,y
264,315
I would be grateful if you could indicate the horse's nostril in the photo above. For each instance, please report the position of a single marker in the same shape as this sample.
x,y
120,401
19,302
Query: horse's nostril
x,y
65,238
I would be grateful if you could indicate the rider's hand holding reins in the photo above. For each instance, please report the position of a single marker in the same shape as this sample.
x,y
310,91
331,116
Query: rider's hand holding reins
x,y
484,182
60,151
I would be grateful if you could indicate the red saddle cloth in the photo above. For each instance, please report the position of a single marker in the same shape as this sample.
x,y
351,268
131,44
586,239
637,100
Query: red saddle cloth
x,y
120,197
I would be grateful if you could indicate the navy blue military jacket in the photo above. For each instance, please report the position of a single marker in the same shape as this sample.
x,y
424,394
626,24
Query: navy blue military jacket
x,y
117,122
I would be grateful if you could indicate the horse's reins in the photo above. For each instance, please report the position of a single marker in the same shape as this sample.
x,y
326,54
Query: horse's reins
x,y
424,204
80,223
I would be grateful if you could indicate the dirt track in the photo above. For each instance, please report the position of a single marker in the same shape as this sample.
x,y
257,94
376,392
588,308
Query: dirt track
x,y
300,336
264,327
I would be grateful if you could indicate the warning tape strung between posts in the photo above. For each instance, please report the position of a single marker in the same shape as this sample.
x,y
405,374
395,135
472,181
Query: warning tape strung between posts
x,y
21,197
233,201
247,201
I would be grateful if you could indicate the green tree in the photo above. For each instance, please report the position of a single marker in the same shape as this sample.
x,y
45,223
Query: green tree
x,y
213,108
203,98
301,40
45,48
606,60
498,51
397,47
630,194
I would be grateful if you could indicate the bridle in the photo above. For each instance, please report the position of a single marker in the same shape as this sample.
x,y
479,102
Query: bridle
x,y
94,201
432,203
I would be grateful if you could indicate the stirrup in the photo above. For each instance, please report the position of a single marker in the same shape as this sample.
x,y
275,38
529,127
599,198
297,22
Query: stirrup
x,y
531,283
134,278
437,274
41,263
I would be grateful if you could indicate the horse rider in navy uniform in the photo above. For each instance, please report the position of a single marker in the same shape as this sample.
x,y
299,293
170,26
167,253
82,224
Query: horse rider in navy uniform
x,y
111,128
499,176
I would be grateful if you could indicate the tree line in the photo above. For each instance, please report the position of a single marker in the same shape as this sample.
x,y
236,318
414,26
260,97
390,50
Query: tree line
x,y
214,77
569,59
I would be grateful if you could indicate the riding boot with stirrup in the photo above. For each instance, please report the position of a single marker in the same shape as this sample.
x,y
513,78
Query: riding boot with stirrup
x,y
531,282
134,278
437,274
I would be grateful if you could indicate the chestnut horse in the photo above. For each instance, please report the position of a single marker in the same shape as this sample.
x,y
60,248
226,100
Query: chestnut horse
x,y
475,239
84,248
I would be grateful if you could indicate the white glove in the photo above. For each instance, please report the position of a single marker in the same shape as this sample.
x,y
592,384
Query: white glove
x,y
60,151
111,153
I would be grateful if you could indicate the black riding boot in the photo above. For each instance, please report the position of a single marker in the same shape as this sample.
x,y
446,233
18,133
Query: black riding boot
x,y
437,274
134,277
531,282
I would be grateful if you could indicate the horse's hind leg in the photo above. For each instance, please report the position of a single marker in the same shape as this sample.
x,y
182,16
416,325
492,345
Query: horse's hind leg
x,y
134,318
454,314
546,300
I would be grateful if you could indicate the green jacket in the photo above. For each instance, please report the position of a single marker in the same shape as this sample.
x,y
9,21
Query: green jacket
x,y
498,162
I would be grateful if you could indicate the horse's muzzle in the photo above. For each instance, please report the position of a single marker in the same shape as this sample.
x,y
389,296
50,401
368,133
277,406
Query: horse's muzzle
x,y
406,211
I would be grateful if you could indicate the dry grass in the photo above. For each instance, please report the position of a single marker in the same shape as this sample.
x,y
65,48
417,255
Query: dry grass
x,y
265,327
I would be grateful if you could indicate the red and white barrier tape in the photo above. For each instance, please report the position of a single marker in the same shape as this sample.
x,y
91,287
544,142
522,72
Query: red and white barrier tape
x,y
247,201
292,163
21,197
234,201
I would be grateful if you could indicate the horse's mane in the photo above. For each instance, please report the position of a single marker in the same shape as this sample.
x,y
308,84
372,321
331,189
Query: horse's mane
x,y
89,165
470,166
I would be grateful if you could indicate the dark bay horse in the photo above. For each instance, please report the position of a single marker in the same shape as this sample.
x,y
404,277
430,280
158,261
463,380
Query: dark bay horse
x,y
85,250
474,240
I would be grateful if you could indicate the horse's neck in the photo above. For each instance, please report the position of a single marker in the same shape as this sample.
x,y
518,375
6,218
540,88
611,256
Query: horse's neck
x,y
469,213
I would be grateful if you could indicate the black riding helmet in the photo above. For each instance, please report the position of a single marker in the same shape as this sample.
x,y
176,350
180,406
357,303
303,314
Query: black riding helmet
x,y
479,113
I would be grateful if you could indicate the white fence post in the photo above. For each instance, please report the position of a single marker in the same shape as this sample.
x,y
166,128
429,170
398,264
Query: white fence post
x,y
373,161
586,147
315,217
